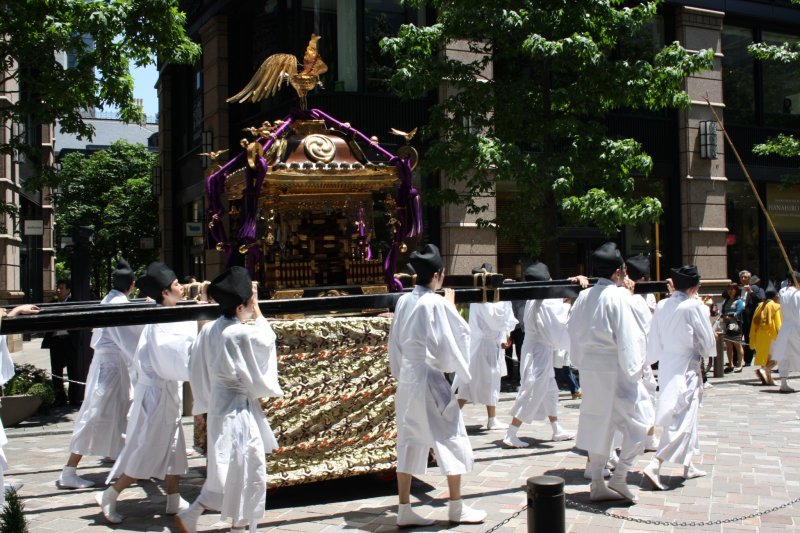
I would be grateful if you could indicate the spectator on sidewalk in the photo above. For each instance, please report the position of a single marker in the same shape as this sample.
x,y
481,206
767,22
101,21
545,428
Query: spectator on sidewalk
x,y
763,331
565,377
752,295
512,380
63,347
101,423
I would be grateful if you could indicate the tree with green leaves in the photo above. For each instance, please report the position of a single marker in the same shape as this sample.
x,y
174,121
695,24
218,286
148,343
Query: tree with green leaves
x,y
103,39
12,517
539,121
111,192
784,145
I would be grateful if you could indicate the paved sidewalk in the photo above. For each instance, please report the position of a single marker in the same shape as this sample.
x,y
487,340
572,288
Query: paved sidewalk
x,y
749,437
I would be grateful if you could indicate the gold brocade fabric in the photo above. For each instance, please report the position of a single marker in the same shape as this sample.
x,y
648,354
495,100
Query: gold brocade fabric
x,y
336,417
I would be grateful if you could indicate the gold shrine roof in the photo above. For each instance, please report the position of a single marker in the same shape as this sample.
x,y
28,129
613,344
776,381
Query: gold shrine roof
x,y
313,159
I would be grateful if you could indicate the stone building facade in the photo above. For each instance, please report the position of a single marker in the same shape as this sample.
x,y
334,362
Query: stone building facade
x,y
710,214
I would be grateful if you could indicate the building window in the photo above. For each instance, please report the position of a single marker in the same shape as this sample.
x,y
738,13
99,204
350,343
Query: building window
x,y
783,204
197,107
737,75
382,18
781,86
646,42
742,238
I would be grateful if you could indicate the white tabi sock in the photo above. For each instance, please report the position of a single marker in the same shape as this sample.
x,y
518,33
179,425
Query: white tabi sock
x,y
511,431
556,427
596,464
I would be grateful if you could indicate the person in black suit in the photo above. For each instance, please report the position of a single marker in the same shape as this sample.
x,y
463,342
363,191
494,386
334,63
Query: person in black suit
x,y
63,347
752,295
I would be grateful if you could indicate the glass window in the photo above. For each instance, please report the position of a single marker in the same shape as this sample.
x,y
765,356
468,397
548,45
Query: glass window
x,y
742,238
737,75
382,18
197,107
783,204
645,42
781,86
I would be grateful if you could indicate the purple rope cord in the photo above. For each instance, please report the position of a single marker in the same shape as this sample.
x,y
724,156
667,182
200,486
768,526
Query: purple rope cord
x,y
215,188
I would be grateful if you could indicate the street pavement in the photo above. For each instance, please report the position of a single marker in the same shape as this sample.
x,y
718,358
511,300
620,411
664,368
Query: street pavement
x,y
749,439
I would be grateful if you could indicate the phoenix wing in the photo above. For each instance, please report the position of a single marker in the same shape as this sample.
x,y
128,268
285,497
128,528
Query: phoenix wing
x,y
273,72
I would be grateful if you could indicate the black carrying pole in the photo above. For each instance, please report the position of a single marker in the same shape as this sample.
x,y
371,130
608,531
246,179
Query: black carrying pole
x,y
87,317
546,505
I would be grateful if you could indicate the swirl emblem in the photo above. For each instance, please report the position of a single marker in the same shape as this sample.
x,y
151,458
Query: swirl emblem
x,y
319,148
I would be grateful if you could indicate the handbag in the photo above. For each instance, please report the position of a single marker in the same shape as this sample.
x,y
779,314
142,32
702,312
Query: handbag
x,y
733,328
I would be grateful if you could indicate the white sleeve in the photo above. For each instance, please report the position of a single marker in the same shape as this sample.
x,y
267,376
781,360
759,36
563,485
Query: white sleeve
x,y
170,356
198,371
450,339
251,351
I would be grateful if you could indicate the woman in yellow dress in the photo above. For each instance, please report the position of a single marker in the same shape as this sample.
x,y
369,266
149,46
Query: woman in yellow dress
x,y
763,330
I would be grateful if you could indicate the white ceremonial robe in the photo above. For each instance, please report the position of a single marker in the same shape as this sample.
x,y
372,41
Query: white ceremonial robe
x,y
545,331
607,346
241,365
101,423
489,326
680,337
427,339
154,443
786,348
644,316
6,373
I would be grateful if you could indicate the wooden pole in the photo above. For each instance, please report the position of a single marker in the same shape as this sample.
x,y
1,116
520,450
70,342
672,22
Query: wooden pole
x,y
755,193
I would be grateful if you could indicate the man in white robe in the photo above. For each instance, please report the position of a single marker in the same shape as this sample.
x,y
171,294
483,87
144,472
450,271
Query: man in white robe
x,y
490,324
427,339
6,373
545,331
680,338
786,348
234,363
607,346
154,442
101,422
638,269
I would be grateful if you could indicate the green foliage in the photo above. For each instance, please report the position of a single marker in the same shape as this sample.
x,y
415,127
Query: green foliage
x,y
29,379
43,391
782,145
105,38
111,192
62,270
527,101
12,517
12,211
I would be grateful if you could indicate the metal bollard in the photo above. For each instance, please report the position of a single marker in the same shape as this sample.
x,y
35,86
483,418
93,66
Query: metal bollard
x,y
719,360
546,505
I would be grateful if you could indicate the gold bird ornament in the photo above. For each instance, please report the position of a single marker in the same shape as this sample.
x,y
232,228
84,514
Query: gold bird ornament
x,y
405,135
213,155
278,69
